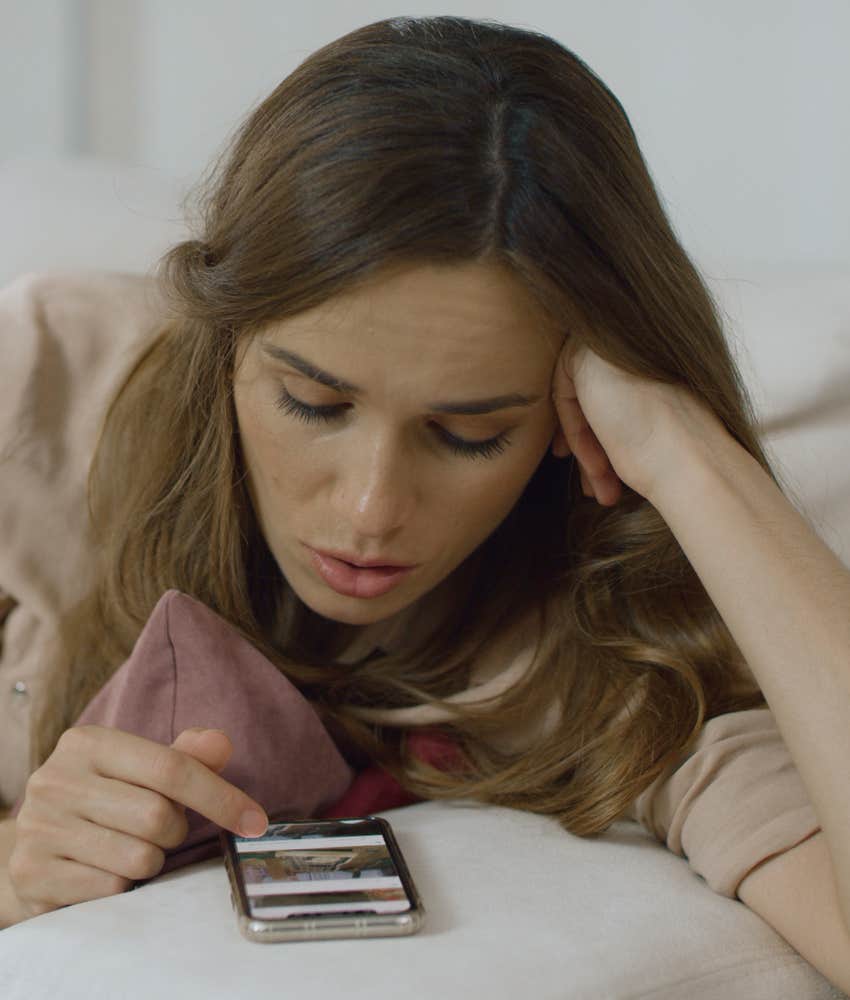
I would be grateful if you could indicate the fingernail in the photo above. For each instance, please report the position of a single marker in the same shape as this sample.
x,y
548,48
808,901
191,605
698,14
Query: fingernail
x,y
252,823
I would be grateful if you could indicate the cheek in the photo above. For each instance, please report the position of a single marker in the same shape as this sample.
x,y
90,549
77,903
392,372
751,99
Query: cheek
x,y
481,499
272,466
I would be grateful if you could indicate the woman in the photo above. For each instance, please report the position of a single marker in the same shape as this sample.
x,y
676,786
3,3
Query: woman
x,y
435,317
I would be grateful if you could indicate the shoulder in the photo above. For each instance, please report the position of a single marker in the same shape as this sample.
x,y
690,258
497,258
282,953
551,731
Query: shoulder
x,y
76,308
76,290
66,336
65,340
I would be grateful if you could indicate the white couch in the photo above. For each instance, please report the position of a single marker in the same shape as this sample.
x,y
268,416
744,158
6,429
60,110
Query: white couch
x,y
515,905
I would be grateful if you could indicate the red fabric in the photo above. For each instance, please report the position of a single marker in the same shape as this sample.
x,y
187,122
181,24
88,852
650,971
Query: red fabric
x,y
374,790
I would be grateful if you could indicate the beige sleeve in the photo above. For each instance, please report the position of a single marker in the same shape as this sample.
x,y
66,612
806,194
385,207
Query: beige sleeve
x,y
65,340
735,800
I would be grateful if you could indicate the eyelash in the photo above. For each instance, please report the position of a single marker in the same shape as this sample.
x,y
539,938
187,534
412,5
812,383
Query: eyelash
x,y
317,414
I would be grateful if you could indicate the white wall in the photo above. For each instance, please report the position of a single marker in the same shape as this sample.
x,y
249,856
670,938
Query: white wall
x,y
41,88
741,107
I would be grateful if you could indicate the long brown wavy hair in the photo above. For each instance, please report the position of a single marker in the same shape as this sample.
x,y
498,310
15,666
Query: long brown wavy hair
x,y
431,140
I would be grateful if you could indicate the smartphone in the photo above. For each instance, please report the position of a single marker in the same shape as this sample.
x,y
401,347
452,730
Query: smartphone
x,y
316,879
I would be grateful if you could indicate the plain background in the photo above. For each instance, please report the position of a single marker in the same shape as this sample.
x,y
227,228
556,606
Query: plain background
x,y
741,107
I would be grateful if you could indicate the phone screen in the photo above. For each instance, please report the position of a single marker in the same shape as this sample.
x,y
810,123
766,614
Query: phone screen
x,y
320,867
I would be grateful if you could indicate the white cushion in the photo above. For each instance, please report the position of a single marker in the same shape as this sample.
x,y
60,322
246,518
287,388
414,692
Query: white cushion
x,y
790,331
515,907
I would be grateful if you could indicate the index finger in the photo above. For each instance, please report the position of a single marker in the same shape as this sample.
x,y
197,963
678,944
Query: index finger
x,y
115,753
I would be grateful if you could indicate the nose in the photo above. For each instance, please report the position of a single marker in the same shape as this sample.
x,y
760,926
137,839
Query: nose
x,y
375,490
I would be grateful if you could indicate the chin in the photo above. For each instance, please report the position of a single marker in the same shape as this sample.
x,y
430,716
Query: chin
x,y
351,610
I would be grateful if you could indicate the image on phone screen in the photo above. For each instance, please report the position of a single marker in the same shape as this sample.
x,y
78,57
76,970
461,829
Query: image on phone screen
x,y
317,868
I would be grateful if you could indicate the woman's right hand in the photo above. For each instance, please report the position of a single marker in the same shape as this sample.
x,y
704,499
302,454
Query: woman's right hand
x,y
98,814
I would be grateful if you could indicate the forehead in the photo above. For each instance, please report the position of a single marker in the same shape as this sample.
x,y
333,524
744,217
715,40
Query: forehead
x,y
429,315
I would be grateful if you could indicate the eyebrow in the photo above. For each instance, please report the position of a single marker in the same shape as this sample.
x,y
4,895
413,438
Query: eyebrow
x,y
467,407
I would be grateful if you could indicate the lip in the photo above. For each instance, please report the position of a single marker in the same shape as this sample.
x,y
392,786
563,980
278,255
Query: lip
x,y
354,581
363,563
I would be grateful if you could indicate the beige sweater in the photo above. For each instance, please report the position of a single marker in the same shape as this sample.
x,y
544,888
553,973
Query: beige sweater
x,y
65,340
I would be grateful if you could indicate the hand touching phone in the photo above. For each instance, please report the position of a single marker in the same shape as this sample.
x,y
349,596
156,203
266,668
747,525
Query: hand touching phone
x,y
98,814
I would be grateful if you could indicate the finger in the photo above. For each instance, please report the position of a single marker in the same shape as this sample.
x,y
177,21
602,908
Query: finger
x,y
586,447
73,882
137,811
64,882
563,374
118,805
46,875
608,490
210,746
560,448
580,436
96,847
51,881
171,772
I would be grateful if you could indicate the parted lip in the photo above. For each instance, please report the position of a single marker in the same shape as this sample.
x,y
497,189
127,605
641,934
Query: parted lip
x,y
363,562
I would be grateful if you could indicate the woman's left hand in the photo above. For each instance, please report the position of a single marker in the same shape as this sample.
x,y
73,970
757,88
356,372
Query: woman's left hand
x,y
623,428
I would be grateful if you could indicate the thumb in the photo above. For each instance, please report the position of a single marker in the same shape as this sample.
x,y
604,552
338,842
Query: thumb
x,y
211,747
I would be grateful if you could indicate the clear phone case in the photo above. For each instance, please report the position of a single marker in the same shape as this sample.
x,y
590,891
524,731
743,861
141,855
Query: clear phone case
x,y
306,880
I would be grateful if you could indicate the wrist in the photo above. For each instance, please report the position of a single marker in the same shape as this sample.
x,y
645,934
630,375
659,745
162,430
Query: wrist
x,y
693,462
11,911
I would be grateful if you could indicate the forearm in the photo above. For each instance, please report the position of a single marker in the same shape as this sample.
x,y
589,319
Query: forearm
x,y
9,910
785,598
7,840
9,907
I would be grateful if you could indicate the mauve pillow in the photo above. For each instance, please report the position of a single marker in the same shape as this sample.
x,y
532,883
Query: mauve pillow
x,y
190,667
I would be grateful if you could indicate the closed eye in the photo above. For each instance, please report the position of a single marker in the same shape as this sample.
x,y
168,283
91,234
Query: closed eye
x,y
489,448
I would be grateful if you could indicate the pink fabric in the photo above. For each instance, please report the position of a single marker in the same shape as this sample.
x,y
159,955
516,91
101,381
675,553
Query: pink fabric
x,y
190,667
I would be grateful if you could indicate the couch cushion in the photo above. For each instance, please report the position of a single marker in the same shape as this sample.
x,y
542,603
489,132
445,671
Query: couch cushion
x,y
514,907
86,212
790,331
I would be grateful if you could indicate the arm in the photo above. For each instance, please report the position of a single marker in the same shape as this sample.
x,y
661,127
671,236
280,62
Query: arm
x,y
7,838
9,911
781,591
785,598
